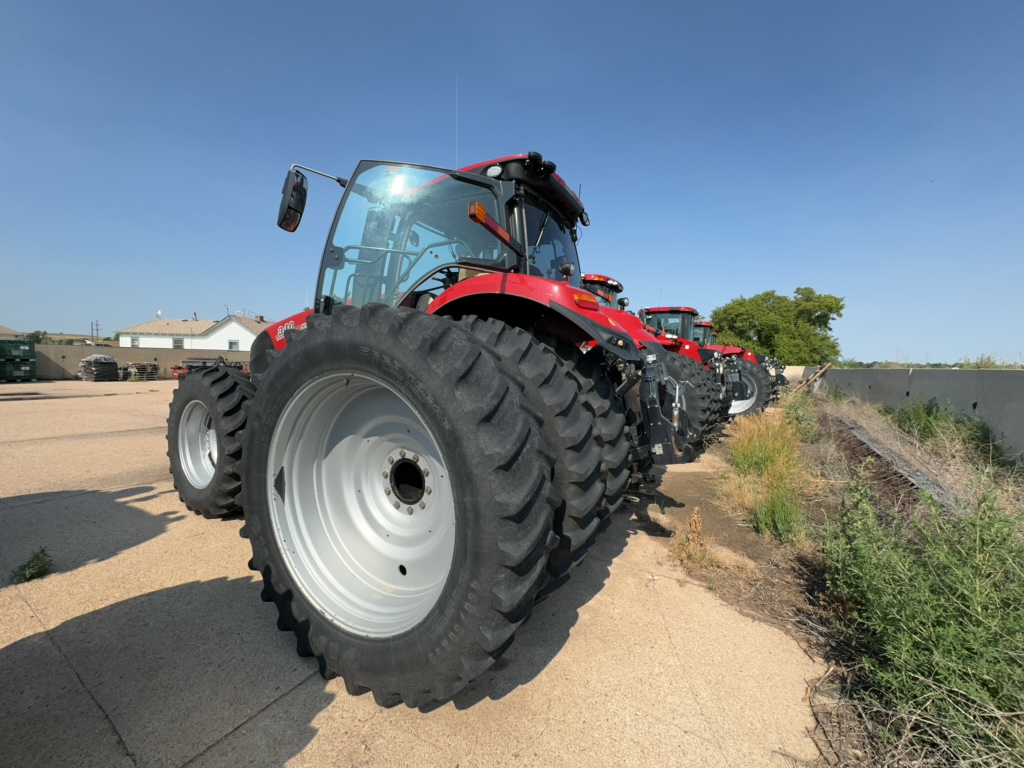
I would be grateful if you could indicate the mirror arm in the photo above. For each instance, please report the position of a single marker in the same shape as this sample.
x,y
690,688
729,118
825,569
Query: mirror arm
x,y
341,181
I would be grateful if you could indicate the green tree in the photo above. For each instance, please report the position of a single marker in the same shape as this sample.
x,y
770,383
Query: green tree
x,y
39,337
796,330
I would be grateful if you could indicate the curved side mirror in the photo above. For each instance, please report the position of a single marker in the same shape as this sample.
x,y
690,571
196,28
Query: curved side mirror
x,y
293,201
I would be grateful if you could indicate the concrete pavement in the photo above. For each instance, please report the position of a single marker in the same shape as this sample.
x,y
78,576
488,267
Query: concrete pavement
x,y
150,645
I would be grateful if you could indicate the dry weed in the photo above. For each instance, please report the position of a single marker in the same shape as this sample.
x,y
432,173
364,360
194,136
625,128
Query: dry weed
x,y
690,546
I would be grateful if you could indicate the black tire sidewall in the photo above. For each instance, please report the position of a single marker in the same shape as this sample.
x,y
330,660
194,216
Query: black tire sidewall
x,y
195,388
448,634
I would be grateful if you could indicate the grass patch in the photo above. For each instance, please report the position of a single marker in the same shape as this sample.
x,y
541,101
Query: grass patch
x,y
928,423
768,477
778,513
933,606
37,566
764,445
804,416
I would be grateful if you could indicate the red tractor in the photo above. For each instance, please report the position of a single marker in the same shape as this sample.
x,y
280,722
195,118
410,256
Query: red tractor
x,y
747,382
704,334
695,376
441,437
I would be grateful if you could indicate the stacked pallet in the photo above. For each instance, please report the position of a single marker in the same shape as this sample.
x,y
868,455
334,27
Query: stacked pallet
x,y
143,371
98,368
17,361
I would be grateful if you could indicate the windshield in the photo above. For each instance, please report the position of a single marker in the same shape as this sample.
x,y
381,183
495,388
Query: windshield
x,y
702,334
605,296
549,243
677,323
402,226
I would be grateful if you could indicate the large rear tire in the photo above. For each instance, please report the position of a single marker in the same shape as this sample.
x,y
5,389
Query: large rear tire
x,y
697,398
398,501
608,412
758,388
565,424
206,419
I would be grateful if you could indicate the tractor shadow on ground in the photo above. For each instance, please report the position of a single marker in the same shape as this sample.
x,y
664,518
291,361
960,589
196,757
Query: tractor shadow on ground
x,y
177,675
78,527
543,636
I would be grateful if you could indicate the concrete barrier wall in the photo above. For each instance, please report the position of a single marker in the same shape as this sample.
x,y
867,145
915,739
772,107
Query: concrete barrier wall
x,y
995,397
60,361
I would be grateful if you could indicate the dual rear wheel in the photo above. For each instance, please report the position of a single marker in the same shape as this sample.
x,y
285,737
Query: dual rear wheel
x,y
410,485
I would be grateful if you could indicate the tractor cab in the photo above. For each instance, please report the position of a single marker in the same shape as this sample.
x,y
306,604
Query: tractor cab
x,y
671,322
703,333
405,233
606,289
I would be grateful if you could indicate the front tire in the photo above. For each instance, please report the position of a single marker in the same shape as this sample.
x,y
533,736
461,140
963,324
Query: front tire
x,y
206,420
367,414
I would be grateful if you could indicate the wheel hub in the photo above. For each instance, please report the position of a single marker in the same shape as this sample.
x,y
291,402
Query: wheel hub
x,y
406,481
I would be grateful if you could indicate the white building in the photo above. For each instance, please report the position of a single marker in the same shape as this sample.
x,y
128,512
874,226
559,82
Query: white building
x,y
231,334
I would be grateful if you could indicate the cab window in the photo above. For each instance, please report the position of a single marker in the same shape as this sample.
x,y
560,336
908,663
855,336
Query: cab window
x,y
549,244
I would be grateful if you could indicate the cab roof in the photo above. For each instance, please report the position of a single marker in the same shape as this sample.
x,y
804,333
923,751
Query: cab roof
x,y
611,282
670,310
537,174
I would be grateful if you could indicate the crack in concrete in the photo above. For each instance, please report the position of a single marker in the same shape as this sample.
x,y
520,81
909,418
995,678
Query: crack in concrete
x,y
67,660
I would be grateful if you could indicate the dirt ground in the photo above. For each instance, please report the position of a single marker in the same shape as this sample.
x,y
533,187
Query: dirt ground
x,y
752,573
150,645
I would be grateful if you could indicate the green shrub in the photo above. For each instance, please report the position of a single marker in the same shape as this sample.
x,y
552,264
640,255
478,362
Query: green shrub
x,y
934,608
37,566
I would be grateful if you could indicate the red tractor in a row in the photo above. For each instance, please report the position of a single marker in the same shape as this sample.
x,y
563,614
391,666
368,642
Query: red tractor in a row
x,y
748,384
745,383
442,436
704,334
696,373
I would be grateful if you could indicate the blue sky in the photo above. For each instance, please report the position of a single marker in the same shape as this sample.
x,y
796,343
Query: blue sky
x,y
873,150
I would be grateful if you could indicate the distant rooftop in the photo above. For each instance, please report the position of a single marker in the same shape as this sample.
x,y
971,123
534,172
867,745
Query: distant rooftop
x,y
167,327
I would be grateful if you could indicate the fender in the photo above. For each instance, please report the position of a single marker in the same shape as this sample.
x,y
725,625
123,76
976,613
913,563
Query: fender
x,y
681,346
631,323
573,313
272,338
276,330
740,352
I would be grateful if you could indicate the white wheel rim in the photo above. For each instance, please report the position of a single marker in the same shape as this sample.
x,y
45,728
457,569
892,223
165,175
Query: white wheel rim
x,y
361,504
197,444
742,406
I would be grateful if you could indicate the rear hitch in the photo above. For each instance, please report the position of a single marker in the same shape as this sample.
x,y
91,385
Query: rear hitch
x,y
666,433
